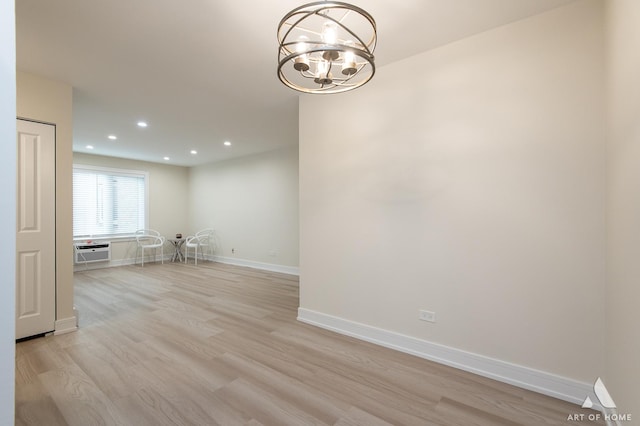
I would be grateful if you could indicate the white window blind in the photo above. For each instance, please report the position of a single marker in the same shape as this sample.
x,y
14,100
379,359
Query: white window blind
x,y
108,202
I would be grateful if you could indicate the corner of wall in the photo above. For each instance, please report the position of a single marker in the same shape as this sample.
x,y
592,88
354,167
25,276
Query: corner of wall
x,y
623,204
8,158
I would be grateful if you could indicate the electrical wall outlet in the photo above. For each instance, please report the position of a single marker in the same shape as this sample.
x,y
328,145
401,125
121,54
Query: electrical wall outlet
x,y
427,316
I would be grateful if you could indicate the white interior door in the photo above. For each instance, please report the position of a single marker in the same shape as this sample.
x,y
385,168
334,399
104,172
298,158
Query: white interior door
x,y
35,240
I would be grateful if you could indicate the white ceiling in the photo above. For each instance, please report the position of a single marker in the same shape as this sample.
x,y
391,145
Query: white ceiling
x,y
204,71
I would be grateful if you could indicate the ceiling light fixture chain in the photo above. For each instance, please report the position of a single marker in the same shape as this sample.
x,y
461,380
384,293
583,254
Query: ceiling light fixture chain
x,y
319,38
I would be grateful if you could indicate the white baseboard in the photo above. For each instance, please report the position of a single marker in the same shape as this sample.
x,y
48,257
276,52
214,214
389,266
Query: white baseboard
x,y
524,377
65,325
290,270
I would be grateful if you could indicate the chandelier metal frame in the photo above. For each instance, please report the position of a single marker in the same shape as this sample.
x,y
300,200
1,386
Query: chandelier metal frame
x,y
320,53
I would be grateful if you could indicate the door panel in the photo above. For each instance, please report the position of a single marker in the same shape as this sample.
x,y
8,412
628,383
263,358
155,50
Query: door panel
x,y
35,239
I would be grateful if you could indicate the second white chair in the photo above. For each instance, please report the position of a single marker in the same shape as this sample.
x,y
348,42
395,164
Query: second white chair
x,y
202,242
149,239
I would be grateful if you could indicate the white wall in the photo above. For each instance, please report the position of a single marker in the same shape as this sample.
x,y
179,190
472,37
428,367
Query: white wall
x,y
8,161
470,181
168,200
252,202
50,101
623,291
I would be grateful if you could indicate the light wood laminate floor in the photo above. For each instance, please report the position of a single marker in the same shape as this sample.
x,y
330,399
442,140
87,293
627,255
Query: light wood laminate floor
x,y
177,344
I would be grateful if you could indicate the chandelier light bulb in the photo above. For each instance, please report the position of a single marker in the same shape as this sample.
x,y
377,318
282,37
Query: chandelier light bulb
x,y
330,37
301,45
349,66
323,68
323,76
329,32
301,63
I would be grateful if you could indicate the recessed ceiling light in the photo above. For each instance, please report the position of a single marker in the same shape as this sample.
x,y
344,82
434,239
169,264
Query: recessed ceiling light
x,y
194,152
89,146
142,124
227,143
167,158
112,137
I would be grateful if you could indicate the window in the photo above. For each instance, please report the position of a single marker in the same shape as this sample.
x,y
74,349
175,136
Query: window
x,y
108,202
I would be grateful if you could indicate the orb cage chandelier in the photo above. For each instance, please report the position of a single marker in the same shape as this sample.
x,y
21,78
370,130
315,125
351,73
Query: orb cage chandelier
x,y
326,47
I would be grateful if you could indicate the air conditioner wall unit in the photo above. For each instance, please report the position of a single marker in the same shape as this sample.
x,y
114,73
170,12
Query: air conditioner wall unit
x,y
94,252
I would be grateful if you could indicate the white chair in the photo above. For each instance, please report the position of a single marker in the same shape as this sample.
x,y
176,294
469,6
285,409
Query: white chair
x,y
149,239
202,241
